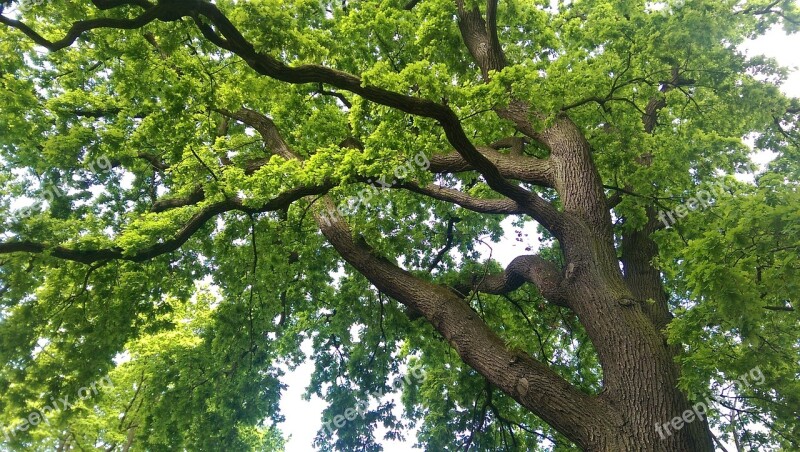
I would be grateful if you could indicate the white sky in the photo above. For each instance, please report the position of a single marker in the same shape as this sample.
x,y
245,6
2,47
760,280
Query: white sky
x,y
303,417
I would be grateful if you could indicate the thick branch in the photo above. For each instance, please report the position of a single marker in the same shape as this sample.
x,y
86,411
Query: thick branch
x,y
544,274
526,169
638,248
451,195
266,128
197,195
574,175
230,38
516,144
642,278
529,382
480,36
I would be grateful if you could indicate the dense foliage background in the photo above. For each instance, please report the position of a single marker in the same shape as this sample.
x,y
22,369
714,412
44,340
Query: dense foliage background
x,y
95,135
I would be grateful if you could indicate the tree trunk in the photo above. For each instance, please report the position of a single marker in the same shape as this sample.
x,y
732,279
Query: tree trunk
x,y
640,377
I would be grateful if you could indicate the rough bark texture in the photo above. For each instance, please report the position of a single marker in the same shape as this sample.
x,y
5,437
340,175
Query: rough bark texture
x,y
640,377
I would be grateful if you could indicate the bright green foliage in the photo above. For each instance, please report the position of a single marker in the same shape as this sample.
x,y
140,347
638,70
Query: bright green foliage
x,y
737,271
195,340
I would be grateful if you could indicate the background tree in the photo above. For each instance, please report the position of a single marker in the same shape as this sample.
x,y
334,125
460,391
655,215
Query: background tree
x,y
244,141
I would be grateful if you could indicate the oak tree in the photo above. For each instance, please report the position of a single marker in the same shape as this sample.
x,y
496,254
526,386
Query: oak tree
x,y
192,189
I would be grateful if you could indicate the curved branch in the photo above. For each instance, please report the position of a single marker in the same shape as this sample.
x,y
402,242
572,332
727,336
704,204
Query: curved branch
x,y
544,274
81,27
451,195
280,202
266,128
228,36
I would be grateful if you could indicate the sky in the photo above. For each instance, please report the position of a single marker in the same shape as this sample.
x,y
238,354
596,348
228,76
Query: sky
x,y
303,417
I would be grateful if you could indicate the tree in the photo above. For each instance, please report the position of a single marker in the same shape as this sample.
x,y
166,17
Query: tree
x,y
201,171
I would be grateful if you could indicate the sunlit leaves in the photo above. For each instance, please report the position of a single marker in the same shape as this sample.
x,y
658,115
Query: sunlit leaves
x,y
199,367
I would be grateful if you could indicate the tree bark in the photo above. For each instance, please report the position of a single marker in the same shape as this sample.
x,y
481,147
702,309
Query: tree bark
x,y
640,377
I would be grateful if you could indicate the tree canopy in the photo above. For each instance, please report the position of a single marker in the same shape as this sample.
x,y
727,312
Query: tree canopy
x,y
191,189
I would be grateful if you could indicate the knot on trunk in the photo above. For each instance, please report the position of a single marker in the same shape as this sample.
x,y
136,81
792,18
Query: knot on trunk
x,y
522,386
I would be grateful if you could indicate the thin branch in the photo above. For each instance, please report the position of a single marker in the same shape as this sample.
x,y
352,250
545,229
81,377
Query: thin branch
x,y
88,256
81,27
451,223
216,179
340,96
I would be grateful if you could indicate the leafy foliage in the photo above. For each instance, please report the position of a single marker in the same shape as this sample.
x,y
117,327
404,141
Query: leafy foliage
x,y
196,341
